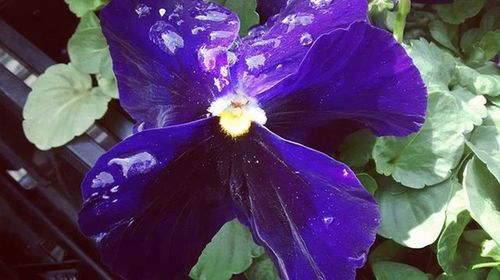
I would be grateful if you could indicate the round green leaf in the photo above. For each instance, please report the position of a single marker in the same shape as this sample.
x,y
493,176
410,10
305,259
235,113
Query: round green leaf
x,y
457,217
368,182
427,157
230,252
61,105
397,271
472,106
485,141
356,150
245,11
459,10
413,218
483,189
88,49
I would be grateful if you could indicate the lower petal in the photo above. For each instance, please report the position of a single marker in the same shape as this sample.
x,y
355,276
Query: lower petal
x,y
155,200
309,211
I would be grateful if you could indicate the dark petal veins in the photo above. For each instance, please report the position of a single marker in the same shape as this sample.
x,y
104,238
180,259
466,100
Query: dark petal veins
x,y
155,200
308,210
360,73
169,68
274,51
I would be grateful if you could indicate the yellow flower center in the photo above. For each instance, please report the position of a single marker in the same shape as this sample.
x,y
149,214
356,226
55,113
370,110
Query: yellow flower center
x,y
236,114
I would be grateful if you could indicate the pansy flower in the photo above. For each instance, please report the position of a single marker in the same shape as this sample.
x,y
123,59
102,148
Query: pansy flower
x,y
223,126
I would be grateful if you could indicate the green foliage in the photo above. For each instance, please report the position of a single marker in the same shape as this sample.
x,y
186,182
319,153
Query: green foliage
x,y
413,218
482,189
230,252
356,149
414,163
88,49
397,271
62,105
245,10
459,11
262,269
81,7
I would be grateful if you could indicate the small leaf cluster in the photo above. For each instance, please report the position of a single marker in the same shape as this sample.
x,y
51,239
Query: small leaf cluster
x,y
67,99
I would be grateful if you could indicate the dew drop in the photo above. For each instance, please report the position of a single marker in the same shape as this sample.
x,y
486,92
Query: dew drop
x,y
102,179
142,10
114,189
162,12
327,220
138,163
320,3
164,36
306,39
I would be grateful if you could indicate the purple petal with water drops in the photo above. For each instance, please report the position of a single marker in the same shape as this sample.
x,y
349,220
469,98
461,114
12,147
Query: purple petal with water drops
x,y
360,73
309,211
169,57
275,50
155,200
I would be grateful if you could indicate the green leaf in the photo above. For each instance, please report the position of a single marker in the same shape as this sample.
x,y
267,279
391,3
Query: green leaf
x,y
262,268
397,271
477,274
368,182
468,39
459,10
108,87
388,251
482,190
491,20
356,150
88,49
413,218
457,217
230,252
473,80
472,106
436,66
485,141
245,10
81,7
61,105
427,157
493,275
444,34
485,49
490,249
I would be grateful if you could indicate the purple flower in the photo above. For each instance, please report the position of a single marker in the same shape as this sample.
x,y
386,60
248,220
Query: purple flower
x,y
211,107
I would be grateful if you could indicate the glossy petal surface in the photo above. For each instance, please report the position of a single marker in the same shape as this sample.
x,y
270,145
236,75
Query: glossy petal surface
x,y
274,51
308,210
155,200
169,56
361,74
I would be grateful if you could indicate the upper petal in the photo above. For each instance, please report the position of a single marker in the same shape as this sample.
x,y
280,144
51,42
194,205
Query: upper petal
x,y
155,200
360,73
169,56
308,210
274,51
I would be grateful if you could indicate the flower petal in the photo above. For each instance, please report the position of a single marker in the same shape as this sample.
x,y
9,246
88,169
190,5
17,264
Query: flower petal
x,y
309,211
155,200
169,57
274,51
360,73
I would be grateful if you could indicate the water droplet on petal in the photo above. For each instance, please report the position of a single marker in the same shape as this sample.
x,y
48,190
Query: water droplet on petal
x,y
162,12
306,39
164,36
139,163
320,3
327,220
256,61
295,20
102,179
142,10
212,16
